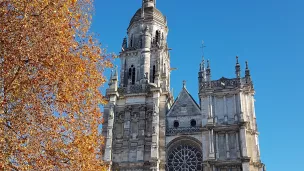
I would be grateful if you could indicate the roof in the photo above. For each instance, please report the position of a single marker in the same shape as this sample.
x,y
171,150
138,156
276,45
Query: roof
x,y
150,13
184,100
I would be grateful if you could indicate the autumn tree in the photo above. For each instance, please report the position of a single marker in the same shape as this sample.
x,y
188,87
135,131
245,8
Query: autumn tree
x,y
51,70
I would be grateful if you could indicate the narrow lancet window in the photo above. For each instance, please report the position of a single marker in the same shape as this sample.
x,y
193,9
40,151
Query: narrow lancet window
x,y
133,76
153,74
157,36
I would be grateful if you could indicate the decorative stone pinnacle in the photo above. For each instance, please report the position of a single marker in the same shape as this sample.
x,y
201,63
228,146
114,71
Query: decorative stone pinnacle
x,y
208,64
247,65
184,83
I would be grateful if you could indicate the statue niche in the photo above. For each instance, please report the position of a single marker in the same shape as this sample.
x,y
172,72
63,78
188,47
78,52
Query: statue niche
x,y
134,125
118,128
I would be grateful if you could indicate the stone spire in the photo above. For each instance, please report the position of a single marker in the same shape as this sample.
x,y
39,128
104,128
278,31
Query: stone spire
x,y
149,3
237,68
202,70
247,75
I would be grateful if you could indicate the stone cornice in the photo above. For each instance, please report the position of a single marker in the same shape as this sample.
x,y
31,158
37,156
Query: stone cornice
x,y
219,163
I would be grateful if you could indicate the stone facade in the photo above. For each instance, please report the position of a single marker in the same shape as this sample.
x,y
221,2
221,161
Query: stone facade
x,y
146,129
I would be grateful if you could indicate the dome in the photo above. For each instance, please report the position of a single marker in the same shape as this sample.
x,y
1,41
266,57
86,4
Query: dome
x,y
151,13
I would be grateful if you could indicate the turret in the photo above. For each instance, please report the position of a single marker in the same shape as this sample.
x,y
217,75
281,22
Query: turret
x,y
149,3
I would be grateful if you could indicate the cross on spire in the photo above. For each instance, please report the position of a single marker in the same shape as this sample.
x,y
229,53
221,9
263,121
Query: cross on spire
x,y
184,83
203,46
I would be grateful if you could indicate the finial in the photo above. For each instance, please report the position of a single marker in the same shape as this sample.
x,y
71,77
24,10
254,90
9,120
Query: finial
x,y
237,60
247,65
184,83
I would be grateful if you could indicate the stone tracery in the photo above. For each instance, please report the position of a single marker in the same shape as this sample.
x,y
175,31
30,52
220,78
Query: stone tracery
x,y
184,157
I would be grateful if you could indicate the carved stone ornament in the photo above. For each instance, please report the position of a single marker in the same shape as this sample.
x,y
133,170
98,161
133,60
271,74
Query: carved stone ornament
x,y
142,107
128,108
149,114
121,116
134,115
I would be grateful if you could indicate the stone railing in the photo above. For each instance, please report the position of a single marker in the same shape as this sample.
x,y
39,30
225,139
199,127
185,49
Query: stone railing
x,y
183,130
222,83
133,89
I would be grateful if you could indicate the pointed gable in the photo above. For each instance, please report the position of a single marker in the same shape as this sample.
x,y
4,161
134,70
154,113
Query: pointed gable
x,y
184,105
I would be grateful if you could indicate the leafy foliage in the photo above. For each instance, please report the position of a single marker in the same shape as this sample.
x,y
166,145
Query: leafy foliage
x,y
51,69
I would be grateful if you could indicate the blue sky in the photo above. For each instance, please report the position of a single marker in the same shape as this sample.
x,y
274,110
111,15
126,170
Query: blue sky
x,y
267,33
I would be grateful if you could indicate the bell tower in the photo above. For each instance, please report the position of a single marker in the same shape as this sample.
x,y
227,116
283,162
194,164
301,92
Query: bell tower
x,y
134,127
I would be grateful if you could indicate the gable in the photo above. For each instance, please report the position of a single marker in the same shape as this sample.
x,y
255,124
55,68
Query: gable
x,y
184,105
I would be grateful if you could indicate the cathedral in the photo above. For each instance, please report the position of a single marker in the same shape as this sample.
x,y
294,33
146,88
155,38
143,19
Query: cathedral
x,y
146,129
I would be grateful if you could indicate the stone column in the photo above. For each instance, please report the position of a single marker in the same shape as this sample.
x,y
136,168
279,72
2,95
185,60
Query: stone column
x,y
225,110
217,145
253,113
210,114
141,133
237,144
126,135
235,111
246,108
227,145
211,144
241,113
243,141
109,137
214,110
155,130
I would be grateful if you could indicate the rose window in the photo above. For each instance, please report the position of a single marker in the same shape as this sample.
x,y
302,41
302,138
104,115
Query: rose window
x,y
184,158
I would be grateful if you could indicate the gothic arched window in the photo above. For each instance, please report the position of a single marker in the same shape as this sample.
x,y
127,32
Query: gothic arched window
x,y
132,74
